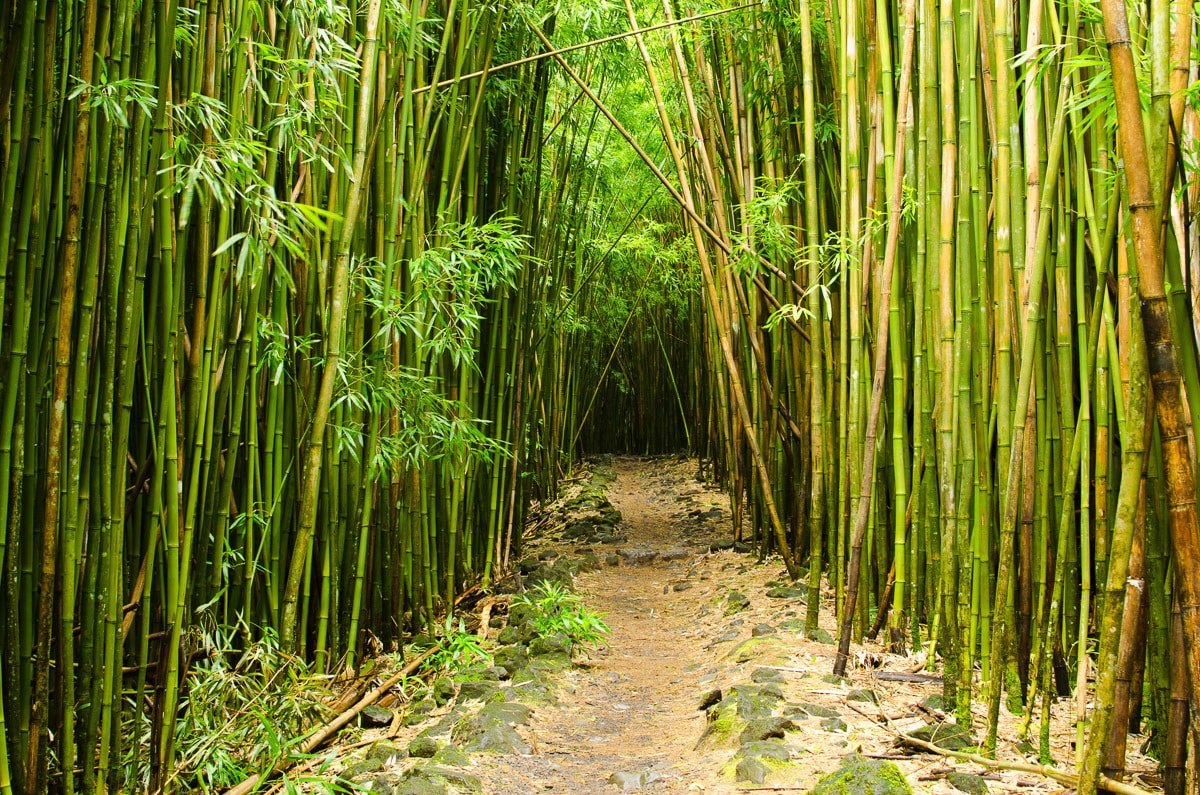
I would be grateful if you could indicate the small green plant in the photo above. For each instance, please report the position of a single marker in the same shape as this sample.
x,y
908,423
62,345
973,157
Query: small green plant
x,y
556,609
457,648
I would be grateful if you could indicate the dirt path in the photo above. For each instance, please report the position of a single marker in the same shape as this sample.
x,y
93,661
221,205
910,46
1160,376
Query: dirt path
x,y
632,707
686,622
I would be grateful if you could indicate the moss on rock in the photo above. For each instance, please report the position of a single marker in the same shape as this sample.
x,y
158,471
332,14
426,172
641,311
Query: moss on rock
x,y
861,776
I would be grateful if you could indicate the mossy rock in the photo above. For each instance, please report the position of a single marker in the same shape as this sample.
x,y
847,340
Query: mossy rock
x,y
386,752
948,735
520,614
503,714
861,776
477,673
818,711
729,718
710,699
763,675
934,701
445,776
821,636
423,747
588,562
864,695
363,767
477,691
558,643
758,729
834,679
766,749
534,685
736,602
834,725
767,648
451,756
443,690
792,625
516,633
967,782
784,592
752,770
499,740
512,658
374,716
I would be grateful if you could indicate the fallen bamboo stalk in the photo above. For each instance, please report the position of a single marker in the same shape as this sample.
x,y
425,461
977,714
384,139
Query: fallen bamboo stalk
x,y
315,740
1061,776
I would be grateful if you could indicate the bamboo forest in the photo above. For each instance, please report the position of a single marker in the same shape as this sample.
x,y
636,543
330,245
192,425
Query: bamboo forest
x,y
314,310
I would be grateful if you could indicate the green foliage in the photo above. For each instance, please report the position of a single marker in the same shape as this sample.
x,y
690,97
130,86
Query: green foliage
x,y
557,610
245,708
457,648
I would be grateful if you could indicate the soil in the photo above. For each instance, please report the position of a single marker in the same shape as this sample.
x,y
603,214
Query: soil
x,y
628,716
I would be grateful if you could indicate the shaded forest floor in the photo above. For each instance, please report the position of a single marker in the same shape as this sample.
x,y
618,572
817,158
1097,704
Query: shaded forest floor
x,y
686,622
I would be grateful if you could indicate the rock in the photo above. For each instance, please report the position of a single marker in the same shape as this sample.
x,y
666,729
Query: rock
x,y
862,694
444,777
419,712
674,554
762,675
391,784
752,769
834,725
520,633
681,586
766,749
500,740
861,776
451,756
948,735
747,650
736,602
534,685
818,711
375,716
834,679
422,747
819,635
783,592
793,625
443,690
762,629
589,562
744,548
611,560
729,634
711,698
362,768
638,556
765,728
721,545
967,782
491,728
386,752
547,554
558,643
477,691
478,673
934,701
520,614
511,658
634,781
